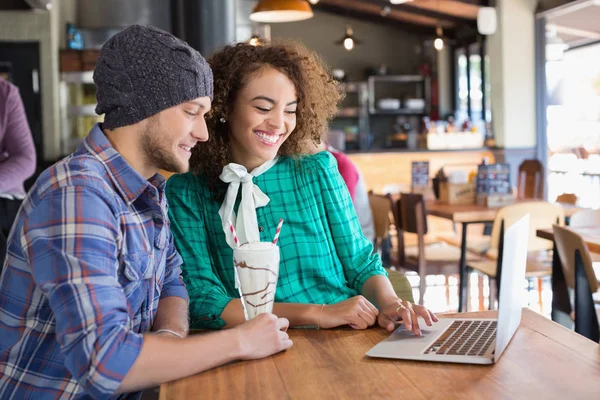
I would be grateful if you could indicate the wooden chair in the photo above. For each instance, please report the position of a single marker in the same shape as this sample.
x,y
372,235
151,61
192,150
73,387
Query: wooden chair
x,y
381,207
543,215
439,258
580,277
530,182
401,285
567,198
585,218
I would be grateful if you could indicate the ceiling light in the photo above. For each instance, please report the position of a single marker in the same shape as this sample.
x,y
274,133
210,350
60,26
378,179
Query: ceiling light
x,y
400,1
438,43
255,41
348,41
486,20
313,1
273,11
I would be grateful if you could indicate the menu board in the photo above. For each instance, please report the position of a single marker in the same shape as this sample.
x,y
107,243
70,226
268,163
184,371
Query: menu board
x,y
420,174
493,179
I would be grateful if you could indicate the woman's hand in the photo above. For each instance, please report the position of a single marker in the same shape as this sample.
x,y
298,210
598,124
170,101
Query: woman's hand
x,y
358,312
407,312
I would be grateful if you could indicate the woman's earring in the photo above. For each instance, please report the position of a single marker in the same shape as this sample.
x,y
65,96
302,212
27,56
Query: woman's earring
x,y
223,120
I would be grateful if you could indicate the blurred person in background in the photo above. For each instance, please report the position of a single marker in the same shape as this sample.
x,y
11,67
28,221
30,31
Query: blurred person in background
x,y
17,158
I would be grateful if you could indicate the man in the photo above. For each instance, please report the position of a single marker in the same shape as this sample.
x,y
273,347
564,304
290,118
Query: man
x,y
17,158
92,304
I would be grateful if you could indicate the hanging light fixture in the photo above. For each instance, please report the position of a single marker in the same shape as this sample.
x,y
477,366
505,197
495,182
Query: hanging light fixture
x,y
348,41
400,1
255,40
486,20
273,11
438,43
313,1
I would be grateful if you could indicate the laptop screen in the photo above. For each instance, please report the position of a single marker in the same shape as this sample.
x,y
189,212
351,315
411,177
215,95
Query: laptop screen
x,y
514,261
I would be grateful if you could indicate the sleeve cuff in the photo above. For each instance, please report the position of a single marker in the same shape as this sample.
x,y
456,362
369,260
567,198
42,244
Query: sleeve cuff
x,y
175,291
209,317
366,274
115,369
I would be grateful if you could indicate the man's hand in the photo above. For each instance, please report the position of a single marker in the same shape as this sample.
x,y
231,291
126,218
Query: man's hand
x,y
408,313
357,311
263,336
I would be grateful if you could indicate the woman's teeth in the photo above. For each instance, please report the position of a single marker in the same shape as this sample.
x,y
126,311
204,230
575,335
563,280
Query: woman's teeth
x,y
268,138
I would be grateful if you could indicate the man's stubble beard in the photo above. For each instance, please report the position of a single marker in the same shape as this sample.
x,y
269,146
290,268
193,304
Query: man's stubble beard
x,y
155,145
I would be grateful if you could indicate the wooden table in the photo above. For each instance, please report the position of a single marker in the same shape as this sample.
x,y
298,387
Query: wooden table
x,y
590,235
467,213
475,213
471,214
544,360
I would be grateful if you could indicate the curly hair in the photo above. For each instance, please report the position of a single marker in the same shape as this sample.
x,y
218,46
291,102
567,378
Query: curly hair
x,y
233,66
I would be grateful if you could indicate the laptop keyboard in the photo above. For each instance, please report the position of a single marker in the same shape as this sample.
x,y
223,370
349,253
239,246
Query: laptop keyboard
x,y
465,338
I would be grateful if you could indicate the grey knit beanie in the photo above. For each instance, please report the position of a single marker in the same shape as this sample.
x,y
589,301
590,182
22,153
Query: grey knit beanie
x,y
144,70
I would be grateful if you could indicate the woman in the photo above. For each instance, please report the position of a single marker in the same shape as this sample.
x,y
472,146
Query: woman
x,y
269,101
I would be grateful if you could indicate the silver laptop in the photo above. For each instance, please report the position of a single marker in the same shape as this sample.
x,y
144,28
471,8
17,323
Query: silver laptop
x,y
470,341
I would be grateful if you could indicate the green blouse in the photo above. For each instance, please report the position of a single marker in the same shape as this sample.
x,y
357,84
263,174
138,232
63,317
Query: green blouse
x,y
325,258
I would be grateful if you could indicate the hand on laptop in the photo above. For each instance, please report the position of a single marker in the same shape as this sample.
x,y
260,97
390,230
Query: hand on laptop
x,y
405,311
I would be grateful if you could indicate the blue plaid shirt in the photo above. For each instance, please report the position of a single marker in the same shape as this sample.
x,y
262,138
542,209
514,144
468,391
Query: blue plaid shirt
x,y
89,258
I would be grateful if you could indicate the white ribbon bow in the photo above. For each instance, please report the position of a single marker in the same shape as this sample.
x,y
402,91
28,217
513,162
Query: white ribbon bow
x,y
246,223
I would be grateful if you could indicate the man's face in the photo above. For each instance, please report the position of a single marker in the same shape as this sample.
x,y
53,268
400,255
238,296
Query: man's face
x,y
169,136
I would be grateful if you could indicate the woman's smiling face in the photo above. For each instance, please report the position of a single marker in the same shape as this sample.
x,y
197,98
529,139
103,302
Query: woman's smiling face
x,y
262,117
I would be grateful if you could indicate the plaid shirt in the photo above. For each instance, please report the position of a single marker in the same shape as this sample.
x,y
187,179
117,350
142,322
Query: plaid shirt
x,y
325,258
89,258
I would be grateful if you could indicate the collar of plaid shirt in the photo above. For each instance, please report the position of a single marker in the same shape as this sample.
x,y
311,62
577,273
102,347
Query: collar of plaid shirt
x,y
129,184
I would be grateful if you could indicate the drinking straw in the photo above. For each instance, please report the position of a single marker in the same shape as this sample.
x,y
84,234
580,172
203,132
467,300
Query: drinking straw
x,y
235,238
278,231
238,284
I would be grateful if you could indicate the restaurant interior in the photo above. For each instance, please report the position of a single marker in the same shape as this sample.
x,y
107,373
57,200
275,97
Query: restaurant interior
x,y
461,116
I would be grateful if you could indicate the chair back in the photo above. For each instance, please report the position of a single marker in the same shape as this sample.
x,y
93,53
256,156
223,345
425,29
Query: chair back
x,y
381,206
530,182
579,276
411,212
585,218
543,215
567,198
567,242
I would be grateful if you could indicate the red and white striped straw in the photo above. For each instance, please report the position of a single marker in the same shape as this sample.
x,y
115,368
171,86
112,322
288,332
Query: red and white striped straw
x,y
278,231
235,238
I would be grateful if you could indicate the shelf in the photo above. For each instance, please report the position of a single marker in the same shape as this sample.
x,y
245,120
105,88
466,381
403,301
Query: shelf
x,y
353,87
396,78
415,150
349,112
83,110
400,111
77,77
